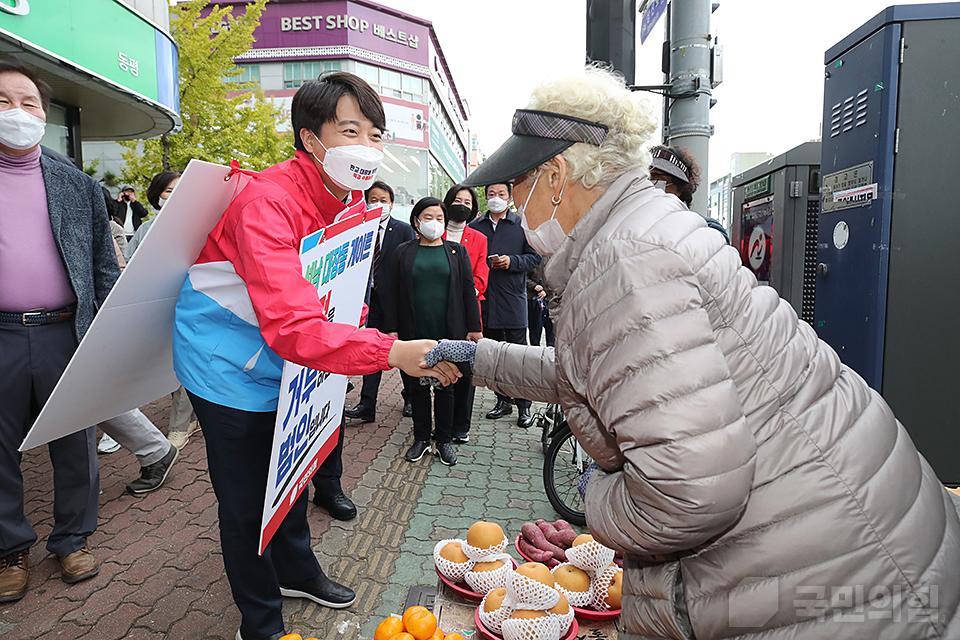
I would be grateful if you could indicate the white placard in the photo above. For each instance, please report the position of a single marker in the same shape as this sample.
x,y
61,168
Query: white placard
x,y
125,359
337,261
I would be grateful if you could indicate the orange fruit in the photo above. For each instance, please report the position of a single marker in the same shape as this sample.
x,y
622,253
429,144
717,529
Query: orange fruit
x,y
484,535
571,578
419,622
583,538
388,628
527,613
453,636
494,600
292,636
614,590
438,634
402,636
562,607
536,571
453,552
487,566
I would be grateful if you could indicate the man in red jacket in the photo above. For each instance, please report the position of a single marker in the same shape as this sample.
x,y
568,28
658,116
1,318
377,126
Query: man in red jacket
x,y
245,308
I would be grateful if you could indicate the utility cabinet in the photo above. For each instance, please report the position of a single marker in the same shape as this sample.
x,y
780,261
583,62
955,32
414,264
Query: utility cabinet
x,y
887,296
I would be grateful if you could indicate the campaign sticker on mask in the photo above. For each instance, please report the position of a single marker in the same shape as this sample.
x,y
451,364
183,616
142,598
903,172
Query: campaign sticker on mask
x,y
352,166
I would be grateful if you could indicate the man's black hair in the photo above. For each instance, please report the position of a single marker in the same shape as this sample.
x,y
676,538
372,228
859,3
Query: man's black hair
x,y
383,186
422,204
509,187
452,195
46,93
315,103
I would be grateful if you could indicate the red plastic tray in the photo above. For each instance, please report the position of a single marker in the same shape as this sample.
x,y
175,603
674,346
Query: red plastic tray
x,y
462,589
490,635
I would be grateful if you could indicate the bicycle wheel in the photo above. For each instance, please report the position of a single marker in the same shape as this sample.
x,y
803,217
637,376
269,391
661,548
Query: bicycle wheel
x,y
562,466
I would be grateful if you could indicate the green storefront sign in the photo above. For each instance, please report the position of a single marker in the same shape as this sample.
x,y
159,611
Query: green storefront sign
x,y
447,156
757,188
102,36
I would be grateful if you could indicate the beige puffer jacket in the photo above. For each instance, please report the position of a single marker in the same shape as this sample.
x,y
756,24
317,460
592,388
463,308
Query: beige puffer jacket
x,y
757,486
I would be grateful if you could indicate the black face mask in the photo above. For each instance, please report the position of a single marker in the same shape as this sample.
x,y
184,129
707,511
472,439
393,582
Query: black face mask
x,y
459,213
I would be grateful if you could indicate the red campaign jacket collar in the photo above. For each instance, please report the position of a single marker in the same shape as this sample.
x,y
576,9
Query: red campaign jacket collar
x,y
301,180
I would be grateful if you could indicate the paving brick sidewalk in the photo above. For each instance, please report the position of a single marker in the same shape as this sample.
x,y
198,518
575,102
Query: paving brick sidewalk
x,y
163,576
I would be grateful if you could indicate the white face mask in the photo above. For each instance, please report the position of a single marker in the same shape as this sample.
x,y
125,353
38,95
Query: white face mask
x,y
547,238
431,229
352,166
20,130
497,205
660,184
162,201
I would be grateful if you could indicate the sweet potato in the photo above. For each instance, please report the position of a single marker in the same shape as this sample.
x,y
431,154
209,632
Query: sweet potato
x,y
540,541
560,525
552,562
530,532
535,554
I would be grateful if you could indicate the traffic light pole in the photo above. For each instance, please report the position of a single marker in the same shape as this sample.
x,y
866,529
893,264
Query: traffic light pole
x,y
688,103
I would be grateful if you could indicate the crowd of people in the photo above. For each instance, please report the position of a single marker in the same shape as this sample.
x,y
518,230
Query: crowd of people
x,y
733,452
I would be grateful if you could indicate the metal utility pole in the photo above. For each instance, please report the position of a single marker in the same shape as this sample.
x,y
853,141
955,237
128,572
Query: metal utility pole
x,y
611,34
691,55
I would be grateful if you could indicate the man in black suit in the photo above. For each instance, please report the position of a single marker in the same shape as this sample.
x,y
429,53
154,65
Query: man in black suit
x,y
329,494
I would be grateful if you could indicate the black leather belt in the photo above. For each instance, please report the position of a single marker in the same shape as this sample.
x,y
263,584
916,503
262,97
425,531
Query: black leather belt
x,y
37,318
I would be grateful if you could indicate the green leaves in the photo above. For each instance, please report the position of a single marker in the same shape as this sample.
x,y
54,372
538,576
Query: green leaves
x,y
222,121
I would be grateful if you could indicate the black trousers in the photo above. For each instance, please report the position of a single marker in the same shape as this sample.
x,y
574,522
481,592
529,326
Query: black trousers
x,y
326,480
513,336
239,444
33,359
539,321
463,394
442,409
370,389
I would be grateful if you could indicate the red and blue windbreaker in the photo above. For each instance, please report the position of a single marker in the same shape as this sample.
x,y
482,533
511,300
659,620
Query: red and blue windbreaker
x,y
245,306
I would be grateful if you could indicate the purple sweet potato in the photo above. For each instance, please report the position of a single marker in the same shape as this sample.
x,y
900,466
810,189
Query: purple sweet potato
x,y
529,532
560,525
535,554
552,562
548,531
540,541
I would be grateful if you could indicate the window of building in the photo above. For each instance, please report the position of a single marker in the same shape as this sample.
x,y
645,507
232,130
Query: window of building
x,y
248,73
394,84
295,73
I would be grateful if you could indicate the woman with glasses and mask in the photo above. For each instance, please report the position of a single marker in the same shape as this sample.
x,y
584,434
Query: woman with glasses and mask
x,y
430,294
462,208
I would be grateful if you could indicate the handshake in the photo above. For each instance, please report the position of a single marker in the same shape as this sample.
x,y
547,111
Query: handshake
x,y
452,351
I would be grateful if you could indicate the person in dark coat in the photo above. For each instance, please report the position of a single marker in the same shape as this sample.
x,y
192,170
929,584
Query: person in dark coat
x,y
430,293
505,307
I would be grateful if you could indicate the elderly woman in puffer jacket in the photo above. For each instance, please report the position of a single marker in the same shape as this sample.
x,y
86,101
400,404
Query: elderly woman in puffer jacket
x,y
757,486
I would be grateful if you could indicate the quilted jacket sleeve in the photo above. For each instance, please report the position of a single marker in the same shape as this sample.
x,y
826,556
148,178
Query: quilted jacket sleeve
x,y
516,370
645,359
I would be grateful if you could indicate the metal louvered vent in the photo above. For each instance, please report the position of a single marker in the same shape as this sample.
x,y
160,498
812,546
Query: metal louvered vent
x,y
850,113
810,262
861,115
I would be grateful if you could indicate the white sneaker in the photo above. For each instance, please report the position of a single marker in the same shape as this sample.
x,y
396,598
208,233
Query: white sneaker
x,y
108,444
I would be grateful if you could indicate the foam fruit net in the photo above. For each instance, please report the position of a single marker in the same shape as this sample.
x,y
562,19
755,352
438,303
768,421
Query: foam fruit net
x,y
453,571
580,599
487,581
493,620
529,593
545,628
600,587
483,555
564,620
590,556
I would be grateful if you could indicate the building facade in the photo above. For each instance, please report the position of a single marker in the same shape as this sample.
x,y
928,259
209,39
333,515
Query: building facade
x,y
112,66
426,145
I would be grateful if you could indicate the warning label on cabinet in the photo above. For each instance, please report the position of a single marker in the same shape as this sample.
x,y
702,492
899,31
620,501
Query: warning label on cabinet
x,y
853,187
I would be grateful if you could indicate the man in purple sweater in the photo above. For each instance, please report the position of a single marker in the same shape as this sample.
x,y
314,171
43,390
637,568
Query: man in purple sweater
x,y
57,264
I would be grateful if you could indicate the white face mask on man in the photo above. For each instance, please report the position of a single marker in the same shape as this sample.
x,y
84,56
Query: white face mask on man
x,y
20,130
547,238
352,166
497,205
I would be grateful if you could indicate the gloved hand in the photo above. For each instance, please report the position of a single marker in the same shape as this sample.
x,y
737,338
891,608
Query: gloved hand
x,y
585,478
451,351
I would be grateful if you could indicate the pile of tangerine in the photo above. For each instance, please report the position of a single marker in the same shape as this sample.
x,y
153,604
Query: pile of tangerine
x,y
417,624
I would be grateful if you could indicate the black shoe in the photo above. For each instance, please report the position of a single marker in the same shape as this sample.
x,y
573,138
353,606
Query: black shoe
x,y
447,455
461,439
276,636
407,409
360,412
339,506
321,590
524,421
416,450
502,409
153,475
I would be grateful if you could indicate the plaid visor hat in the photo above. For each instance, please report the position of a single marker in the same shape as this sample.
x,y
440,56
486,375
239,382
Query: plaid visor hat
x,y
537,137
667,161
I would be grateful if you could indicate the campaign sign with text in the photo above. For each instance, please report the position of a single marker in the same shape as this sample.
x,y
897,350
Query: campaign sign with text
x,y
337,262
